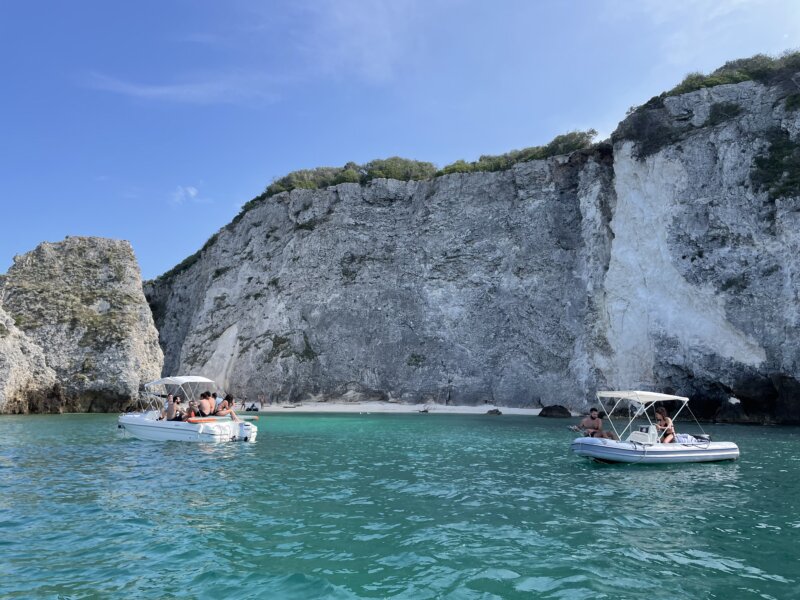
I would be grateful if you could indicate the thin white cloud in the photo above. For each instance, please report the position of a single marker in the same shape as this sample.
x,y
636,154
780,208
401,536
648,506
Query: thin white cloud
x,y
368,39
695,32
188,194
363,40
236,88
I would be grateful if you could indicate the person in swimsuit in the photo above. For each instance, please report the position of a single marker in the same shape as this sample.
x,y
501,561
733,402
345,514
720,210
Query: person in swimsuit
x,y
169,414
177,411
591,425
206,407
191,411
165,409
664,425
225,408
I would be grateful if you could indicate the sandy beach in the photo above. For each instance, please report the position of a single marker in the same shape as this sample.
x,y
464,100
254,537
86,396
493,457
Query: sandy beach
x,y
390,407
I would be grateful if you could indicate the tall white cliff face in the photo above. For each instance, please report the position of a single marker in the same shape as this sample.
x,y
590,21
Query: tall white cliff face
x,y
463,289
701,293
667,269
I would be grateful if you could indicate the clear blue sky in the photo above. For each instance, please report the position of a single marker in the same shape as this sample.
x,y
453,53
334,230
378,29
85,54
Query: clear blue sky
x,y
153,121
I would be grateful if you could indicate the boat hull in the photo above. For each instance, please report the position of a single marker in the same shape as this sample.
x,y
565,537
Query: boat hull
x,y
145,426
611,451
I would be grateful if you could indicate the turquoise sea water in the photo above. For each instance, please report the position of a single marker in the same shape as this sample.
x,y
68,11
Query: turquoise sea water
x,y
377,506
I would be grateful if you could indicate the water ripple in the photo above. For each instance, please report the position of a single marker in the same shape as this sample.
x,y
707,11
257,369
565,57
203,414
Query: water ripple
x,y
379,506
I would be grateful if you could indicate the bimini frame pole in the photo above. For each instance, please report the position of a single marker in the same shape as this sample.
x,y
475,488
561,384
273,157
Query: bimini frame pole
x,y
611,412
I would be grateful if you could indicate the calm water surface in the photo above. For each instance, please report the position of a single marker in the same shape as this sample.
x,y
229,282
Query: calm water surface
x,y
376,506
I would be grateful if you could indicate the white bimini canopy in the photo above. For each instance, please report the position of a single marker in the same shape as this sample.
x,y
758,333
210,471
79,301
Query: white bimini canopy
x,y
641,397
179,380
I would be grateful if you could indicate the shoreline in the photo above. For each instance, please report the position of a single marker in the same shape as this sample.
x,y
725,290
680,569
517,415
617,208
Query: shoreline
x,y
389,408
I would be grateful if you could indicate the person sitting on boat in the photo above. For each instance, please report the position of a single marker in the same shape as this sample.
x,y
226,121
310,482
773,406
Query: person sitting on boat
x,y
664,425
591,425
177,410
191,411
225,408
206,406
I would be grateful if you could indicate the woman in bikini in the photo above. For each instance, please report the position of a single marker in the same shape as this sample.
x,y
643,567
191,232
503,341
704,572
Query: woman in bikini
x,y
664,425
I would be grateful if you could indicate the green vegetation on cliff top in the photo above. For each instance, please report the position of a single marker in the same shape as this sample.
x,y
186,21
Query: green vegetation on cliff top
x,y
402,169
761,67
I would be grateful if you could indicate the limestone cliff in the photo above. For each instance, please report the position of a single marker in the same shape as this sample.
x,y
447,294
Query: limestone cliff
x,y
666,260
80,305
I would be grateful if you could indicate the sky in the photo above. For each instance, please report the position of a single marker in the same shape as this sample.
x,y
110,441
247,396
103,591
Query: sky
x,y
154,121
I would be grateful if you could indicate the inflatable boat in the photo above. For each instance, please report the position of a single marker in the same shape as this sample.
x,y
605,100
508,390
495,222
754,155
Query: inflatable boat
x,y
640,441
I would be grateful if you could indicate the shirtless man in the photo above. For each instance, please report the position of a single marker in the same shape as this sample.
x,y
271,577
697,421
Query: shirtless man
x,y
592,424
165,409
206,406
171,407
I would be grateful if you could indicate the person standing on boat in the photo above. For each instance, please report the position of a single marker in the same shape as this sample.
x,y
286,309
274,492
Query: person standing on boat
x,y
664,425
591,425
171,408
165,409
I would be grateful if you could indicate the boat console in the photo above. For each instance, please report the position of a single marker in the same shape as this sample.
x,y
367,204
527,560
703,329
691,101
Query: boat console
x,y
647,434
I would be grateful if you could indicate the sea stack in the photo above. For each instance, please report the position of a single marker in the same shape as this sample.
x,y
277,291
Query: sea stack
x,y
78,305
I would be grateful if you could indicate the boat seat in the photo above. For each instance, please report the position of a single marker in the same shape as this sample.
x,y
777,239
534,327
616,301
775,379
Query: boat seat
x,y
645,435
639,437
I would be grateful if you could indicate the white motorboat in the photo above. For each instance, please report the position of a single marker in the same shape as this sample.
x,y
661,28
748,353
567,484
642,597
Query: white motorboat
x,y
640,442
146,422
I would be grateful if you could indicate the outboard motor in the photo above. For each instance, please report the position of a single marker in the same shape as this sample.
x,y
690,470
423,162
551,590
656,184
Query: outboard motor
x,y
247,432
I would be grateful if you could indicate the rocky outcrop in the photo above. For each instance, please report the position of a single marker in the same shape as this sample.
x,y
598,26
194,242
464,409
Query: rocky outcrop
x,y
667,260
25,378
81,319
